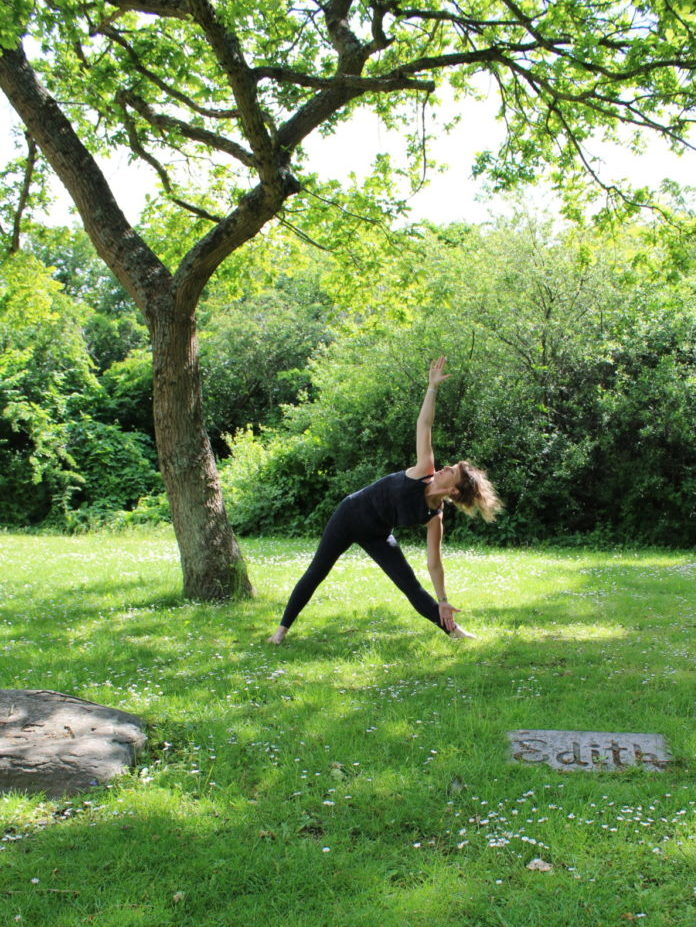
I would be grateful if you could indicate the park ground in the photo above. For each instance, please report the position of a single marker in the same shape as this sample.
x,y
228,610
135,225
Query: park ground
x,y
358,776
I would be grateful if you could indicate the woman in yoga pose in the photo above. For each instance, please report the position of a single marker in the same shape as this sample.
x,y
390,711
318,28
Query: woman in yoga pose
x,y
409,497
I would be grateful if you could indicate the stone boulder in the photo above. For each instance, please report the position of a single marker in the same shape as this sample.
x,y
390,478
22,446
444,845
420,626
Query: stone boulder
x,y
60,745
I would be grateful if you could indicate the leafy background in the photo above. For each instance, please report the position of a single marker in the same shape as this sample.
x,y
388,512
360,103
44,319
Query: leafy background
x,y
572,351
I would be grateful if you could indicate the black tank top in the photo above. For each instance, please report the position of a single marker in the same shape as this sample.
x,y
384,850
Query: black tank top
x,y
395,501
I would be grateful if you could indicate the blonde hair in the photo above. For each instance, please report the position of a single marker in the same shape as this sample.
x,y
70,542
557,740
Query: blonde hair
x,y
474,493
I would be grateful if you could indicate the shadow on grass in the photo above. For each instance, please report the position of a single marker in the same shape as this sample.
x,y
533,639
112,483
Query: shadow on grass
x,y
237,861
159,868
141,630
84,601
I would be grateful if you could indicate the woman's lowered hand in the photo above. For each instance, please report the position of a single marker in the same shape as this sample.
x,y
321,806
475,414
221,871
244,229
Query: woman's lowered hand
x,y
447,613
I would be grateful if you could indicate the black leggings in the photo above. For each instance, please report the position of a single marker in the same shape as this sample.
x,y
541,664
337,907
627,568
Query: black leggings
x,y
338,536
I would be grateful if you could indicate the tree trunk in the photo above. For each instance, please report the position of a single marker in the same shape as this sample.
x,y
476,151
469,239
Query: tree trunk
x,y
211,561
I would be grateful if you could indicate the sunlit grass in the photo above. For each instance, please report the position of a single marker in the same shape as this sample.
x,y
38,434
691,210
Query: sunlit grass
x,y
359,775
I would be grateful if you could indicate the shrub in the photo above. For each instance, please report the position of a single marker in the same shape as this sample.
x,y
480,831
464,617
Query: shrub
x,y
117,467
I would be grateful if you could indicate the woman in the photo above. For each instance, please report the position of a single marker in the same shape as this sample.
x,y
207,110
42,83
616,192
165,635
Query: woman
x,y
410,497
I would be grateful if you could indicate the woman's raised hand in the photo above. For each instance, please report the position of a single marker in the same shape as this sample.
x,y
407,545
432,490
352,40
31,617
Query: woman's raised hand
x,y
436,376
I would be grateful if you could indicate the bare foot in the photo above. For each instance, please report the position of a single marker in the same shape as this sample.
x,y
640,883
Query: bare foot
x,y
459,633
278,635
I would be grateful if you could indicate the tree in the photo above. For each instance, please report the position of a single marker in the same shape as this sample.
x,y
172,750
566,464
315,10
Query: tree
x,y
274,334
249,82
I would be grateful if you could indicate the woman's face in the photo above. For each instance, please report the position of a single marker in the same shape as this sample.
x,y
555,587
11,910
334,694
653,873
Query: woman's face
x,y
445,480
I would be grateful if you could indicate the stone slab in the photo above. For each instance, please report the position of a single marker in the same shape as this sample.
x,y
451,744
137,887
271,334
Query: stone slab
x,y
61,745
589,751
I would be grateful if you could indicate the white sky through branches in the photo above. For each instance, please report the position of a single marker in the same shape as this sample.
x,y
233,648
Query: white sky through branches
x,y
449,195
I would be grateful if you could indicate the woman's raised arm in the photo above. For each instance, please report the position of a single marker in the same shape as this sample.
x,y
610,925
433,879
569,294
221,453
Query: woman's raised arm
x,y
425,458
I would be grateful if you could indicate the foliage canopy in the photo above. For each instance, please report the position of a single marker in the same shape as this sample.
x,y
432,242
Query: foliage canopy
x,y
218,96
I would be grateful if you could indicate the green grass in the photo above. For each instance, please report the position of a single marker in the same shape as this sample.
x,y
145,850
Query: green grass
x,y
357,776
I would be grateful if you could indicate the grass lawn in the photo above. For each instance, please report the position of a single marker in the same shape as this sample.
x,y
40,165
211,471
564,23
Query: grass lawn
x,y
359,775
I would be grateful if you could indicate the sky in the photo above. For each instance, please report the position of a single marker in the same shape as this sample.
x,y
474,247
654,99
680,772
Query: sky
x,y
450,195
454,195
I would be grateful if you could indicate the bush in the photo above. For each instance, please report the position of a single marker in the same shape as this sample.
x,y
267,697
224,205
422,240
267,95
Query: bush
x,y
573,385
272,486
117,467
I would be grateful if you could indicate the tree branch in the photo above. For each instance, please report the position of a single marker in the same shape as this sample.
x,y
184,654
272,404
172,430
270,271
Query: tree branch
x,y
690,31
195,133
609,107
228,52
139,149
346,212
380,40
612,190
351,52
363,84
30,164
589,66
453,59
171,8
116,242
476,25
252,212
313,114
327,102
303,236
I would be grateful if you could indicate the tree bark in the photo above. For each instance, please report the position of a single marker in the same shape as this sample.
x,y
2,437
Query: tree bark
x,y
212,563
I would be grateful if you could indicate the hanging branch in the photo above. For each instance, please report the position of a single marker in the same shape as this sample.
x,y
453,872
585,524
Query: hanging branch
x,y
195,133
138,149
24,192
